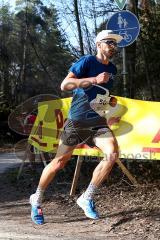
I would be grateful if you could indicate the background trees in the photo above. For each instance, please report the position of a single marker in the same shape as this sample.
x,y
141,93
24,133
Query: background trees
x,y
142,56
39,41
34,56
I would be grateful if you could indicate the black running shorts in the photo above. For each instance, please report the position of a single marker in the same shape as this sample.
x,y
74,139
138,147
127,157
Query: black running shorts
x,y
76,132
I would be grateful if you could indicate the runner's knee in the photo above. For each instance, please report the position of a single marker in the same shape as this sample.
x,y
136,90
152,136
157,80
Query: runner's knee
x,y
59,163
111,156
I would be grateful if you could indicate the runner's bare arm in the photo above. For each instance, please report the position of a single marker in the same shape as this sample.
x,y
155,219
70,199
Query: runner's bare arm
x,y
72,82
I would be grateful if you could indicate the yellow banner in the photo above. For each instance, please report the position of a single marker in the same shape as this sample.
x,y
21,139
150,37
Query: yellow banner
x,y
135,123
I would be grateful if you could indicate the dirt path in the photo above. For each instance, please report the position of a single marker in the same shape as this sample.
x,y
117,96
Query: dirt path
x,y
126,212
8,160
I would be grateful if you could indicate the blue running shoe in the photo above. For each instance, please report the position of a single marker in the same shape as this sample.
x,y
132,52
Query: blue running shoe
x,y
88,207
37,215
36,211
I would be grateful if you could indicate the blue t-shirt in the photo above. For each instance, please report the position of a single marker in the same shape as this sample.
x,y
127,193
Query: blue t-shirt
x,y
85,67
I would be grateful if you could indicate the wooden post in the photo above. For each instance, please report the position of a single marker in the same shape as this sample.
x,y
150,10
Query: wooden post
x,y
23,161
76,175
126,172
43,159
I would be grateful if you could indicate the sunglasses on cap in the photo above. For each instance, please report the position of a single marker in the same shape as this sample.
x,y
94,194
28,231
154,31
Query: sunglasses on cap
x,y
110,42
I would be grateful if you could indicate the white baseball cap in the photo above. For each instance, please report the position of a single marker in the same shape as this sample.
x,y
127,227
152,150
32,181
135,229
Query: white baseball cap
x,y
105,34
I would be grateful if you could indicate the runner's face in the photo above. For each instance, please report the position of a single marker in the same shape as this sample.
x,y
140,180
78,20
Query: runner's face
x,y
108,47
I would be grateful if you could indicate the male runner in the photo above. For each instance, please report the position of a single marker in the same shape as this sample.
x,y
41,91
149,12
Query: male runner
x,y
88,78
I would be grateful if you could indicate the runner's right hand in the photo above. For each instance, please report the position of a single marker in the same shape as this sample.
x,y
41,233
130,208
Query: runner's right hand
x,y
102,78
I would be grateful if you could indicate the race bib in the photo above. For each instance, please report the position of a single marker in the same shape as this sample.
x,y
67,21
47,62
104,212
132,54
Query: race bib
x,y
100,104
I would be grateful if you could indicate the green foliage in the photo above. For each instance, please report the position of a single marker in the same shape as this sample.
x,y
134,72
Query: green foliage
x,y
150,32
34,57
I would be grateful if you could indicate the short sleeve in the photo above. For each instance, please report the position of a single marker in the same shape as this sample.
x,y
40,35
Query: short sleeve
x,y
80,67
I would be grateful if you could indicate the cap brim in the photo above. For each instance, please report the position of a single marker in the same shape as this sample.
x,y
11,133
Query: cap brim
x,y
117,37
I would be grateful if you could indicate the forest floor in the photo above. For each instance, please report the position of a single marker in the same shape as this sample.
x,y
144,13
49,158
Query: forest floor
x,y
126,211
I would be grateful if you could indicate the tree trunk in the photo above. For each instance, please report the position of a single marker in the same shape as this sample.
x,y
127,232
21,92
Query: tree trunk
x,y
131,56
133,7
78,26
22,73
94,17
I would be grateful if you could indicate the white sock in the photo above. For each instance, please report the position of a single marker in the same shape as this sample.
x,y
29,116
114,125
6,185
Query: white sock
x,y
90,191
37,197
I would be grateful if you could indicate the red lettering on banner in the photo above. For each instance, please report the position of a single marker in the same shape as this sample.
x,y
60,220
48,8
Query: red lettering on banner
x,y
156,139
155,150
40,143
85,146
59,121
55,145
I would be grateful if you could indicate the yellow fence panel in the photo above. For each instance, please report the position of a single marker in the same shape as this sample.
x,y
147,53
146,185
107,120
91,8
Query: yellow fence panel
x,y
135,123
